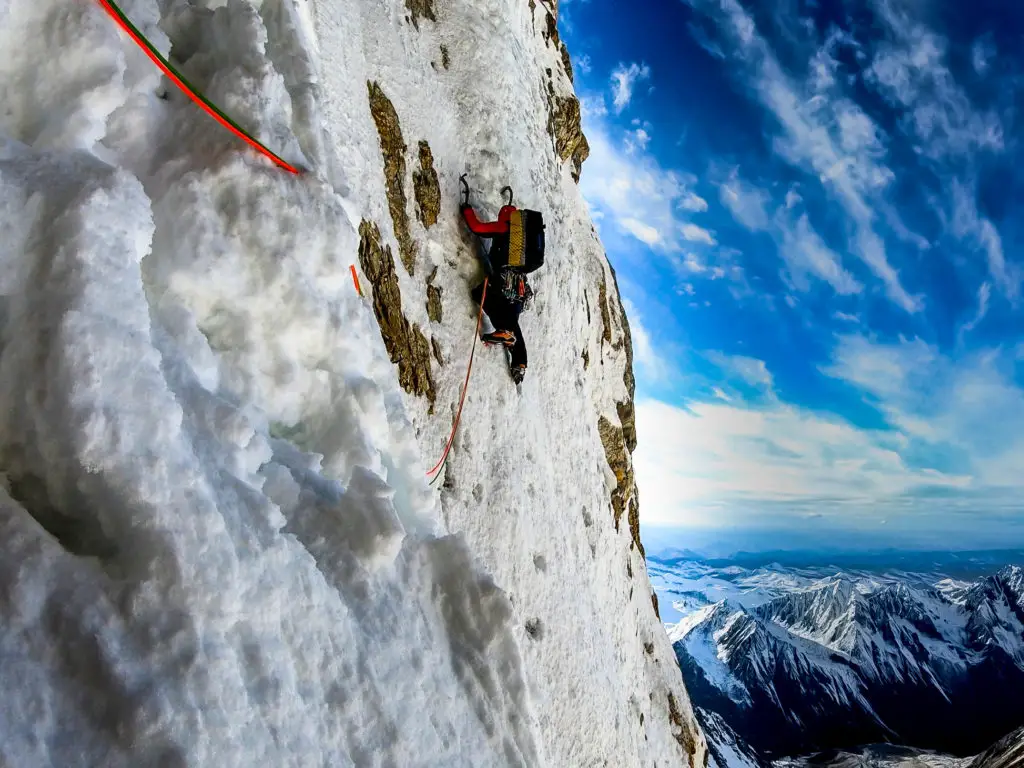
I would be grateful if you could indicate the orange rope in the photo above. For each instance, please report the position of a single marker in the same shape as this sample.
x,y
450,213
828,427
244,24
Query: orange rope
x,y
355,279
465,385
179,80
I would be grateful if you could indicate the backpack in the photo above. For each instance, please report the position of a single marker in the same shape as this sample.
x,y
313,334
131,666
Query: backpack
x,y
526,241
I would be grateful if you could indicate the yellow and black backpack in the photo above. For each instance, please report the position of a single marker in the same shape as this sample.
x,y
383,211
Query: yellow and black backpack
x,y
526,241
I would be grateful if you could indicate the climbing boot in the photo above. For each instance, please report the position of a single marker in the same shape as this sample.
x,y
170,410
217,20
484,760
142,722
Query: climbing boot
x,y
504,338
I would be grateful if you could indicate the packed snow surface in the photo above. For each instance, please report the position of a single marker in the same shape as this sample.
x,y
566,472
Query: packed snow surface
x,y
218,543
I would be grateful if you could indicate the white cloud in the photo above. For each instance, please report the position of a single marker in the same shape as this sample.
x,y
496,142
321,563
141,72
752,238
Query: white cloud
x,y
802,249
984,294
624,79
969,225
627,185
637,140
805,253
969,406
966,414
593,106
696,234
749,369
846,317
693,202
642,232
583,65
747,204
829,137
691,462
910,71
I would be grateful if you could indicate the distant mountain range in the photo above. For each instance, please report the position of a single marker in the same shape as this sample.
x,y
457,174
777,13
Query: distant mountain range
x,y
792,660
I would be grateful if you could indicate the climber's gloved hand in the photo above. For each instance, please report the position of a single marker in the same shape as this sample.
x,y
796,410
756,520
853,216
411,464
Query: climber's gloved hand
x,y
518,373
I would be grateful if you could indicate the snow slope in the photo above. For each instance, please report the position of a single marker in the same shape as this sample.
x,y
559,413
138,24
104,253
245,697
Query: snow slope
x,y
218,545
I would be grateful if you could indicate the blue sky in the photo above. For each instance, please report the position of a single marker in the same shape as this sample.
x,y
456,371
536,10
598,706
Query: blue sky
x,y
813,211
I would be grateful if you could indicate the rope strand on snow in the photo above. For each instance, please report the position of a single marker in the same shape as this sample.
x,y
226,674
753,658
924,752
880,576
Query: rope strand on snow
x,y
168,69
465,386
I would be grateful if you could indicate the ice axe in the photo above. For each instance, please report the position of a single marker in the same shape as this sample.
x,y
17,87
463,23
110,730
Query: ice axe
x,y
509,190
465,189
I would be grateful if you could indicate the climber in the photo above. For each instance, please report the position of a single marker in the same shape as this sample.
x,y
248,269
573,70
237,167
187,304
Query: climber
x,y
517,247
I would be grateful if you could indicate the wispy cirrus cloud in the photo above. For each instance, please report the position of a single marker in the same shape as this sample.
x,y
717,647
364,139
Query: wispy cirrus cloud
x,y
821,132
909,69
968,225
806,255
626,185
803,251
747,203
965,411
624,79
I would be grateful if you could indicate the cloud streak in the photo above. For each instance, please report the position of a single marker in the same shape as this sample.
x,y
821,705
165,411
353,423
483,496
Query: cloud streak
x,y
624,80
821,133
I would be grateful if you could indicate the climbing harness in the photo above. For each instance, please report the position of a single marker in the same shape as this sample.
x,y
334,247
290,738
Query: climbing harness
x,y
205,104
465,386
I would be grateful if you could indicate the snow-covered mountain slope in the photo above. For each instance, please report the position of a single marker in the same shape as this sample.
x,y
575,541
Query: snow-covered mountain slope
x,y
1008,752
844,661
726,747
218,543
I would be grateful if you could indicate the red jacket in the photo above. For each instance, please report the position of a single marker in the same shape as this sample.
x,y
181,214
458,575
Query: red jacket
x,y
488,228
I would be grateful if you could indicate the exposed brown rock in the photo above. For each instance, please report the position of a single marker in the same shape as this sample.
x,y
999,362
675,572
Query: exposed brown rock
x,y
567,63
426,188
393,148
552,28
627,376
634,521
565,127
586,358
445,58
627,417
654,602
434,309
649,648
420,9
405,343
606,318
437,350
685,737
618,459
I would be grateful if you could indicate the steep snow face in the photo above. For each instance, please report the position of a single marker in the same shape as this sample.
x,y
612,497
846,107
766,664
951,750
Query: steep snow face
x,y
218,544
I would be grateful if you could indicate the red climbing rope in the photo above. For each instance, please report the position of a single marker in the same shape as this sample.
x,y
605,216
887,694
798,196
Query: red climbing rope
x,y
209,107
465,386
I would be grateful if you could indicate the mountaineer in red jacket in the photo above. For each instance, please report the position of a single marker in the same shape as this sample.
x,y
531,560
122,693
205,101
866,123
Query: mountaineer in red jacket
x,y
507,291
